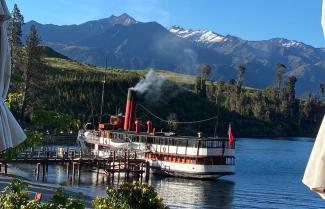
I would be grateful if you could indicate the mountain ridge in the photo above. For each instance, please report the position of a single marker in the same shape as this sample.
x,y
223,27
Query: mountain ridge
x,y
131,44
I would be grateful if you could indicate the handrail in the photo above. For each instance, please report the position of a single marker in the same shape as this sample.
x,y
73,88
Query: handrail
x,y
127,136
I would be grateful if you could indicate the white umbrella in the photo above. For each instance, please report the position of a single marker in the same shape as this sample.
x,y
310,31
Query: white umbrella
x,y
11,134
314,176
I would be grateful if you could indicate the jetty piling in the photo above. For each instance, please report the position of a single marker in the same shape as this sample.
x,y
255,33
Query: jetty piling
x,y
118,161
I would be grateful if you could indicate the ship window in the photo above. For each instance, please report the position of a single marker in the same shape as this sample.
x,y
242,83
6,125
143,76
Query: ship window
x,y
204,144
210,144
150,140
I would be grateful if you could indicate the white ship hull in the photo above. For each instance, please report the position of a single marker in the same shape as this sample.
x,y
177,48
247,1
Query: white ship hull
x,y
207,161
190,170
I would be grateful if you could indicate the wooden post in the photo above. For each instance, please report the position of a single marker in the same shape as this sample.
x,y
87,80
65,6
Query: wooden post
x,y
125,157
6,168
43,174
105,163
119,170
47,169
97,173
79,172
38,168
136,172
141,172
68,169
113,170
97,167
73,170
147,171
128,166
109,165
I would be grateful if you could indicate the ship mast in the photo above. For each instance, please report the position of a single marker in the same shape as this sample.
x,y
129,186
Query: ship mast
x,y
103,93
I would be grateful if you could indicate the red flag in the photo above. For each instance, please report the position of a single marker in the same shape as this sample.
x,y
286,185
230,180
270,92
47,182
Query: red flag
x,y
230,137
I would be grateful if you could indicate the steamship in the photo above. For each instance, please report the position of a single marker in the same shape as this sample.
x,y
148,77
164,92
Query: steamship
x,y
167,154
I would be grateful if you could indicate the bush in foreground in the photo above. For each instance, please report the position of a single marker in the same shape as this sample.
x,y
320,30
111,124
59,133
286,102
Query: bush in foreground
x,y
126,196
15,196
130,196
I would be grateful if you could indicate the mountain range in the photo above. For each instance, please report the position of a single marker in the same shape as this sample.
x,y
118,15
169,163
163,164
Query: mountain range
x,y
127,43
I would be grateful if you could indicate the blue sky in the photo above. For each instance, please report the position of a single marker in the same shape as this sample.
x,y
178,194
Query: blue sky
x,y
248,19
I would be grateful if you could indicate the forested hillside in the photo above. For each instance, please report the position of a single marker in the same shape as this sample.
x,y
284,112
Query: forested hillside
x,y
72,91
52,93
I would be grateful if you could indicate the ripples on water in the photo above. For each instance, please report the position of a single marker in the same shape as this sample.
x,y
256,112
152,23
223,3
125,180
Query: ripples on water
x,y
268,175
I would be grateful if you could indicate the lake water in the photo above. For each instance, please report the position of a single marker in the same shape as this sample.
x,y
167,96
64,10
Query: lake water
x,y
268,175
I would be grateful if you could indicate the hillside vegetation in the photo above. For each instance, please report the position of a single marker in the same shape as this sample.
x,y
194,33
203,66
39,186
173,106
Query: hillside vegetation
x,y
52,93
73,90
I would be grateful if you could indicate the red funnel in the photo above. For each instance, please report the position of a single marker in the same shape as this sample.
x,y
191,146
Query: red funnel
x,y
130,111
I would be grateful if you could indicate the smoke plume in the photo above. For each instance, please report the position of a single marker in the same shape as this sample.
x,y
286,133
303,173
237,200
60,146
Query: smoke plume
x,y
151,85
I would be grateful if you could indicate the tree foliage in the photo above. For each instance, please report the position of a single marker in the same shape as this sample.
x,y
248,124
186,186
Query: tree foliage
x,y
14,36
65,94
130,196
34,71
205,71
125,196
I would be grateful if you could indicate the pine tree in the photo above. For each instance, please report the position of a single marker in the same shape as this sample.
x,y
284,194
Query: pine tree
x,y
205,71
241,73
34,71
14,36
279,75
292,88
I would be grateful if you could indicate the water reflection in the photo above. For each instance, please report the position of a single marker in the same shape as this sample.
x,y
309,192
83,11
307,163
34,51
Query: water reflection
x,y
187,193
268,175
176,192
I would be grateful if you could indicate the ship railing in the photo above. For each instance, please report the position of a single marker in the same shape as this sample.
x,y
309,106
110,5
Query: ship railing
x,y
216,142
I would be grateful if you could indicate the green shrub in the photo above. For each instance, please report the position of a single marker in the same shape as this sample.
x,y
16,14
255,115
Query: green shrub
x,y
130,196
126,196
15,196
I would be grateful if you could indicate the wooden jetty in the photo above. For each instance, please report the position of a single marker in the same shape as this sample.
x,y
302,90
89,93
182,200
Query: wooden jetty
x,y
119,161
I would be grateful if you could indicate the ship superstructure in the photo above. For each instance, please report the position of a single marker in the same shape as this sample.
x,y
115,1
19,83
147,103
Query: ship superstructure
x,y
167,153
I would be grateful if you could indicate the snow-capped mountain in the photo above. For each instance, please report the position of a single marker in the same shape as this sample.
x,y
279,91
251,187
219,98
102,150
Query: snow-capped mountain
x,y
201,36
131,44
208,37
